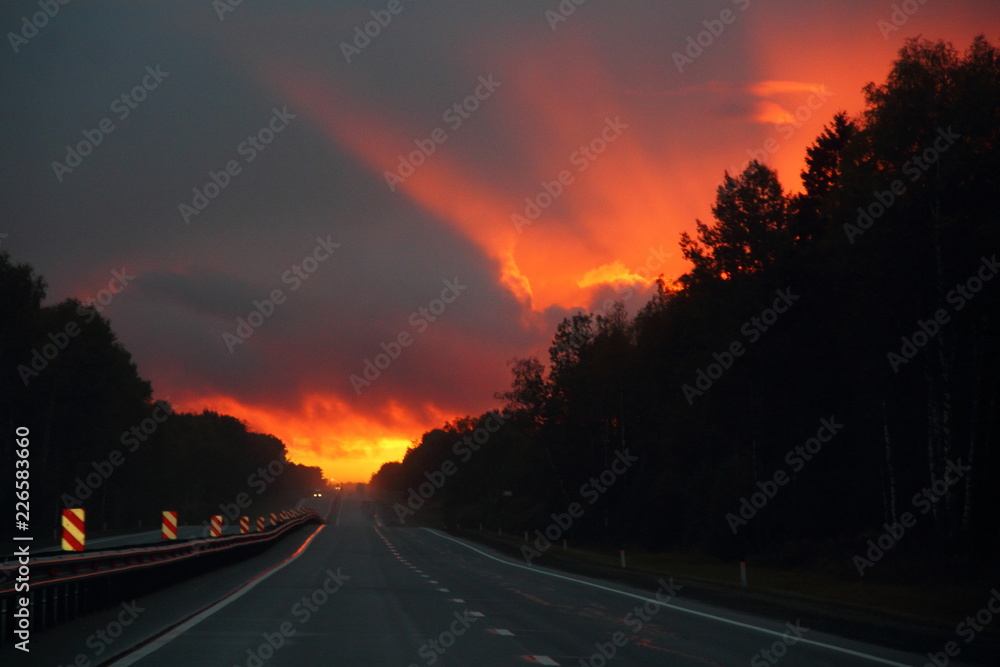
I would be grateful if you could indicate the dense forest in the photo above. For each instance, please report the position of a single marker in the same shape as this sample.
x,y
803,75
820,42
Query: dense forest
x,y
825,374
99,441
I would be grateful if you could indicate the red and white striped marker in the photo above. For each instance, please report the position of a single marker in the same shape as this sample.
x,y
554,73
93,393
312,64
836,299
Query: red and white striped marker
x,y
244,525
169,526
274,519
74,533
260,524
216,525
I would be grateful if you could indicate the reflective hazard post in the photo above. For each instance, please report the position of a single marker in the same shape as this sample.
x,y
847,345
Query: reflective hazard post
x,y
74,533
169,526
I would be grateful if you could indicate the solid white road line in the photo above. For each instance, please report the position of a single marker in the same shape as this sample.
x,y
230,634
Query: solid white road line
x,y
693,612
177,631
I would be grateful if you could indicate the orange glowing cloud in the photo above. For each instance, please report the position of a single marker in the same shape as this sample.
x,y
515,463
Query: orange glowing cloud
x,y
604,175
611,208
615,272
326,432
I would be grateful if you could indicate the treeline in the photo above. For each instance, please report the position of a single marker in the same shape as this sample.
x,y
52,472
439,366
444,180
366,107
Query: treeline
x,y
98,440
828,365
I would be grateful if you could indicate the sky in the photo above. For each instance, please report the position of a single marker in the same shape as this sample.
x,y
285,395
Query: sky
x,y
341,221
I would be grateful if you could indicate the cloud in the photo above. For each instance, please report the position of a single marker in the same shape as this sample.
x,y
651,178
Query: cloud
x,y
605,234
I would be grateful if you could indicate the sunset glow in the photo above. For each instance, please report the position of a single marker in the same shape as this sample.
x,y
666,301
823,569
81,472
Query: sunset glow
x,y
546,168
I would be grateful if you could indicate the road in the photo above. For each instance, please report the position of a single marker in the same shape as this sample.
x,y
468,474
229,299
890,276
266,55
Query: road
x,y
357,593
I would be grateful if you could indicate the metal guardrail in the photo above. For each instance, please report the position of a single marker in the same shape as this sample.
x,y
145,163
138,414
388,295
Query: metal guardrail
x,y
62,587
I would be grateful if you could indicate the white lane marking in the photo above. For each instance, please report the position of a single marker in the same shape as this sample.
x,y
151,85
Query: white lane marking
x,y
477,614
458,600
444,590
176,632
693,612
541,659
502,632
431,581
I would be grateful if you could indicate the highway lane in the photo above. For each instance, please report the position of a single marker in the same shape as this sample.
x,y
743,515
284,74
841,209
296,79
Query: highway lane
x,y
361,594
131,619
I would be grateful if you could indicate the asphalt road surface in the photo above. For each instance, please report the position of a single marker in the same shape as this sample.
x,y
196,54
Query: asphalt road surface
x,y
357,593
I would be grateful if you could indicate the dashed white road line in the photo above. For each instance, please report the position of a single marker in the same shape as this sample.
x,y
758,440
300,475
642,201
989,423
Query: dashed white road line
x,y
693,612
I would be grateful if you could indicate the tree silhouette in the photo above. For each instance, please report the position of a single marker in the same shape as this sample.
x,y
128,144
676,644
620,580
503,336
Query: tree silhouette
x,y
751,229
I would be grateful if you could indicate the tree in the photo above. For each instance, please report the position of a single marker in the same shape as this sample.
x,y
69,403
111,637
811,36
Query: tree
x,y
529,392
933,126
751,229
812,211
